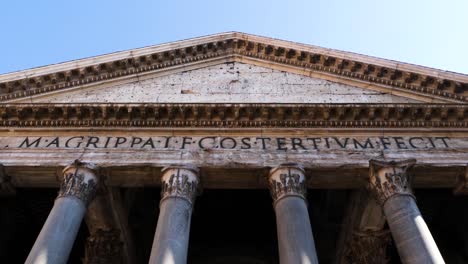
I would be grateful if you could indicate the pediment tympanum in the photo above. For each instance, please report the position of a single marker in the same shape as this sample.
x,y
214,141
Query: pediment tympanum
x,y
206,53
232,82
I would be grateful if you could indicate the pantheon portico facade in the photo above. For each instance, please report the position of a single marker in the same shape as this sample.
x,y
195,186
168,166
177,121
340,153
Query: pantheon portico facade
x,y
234,148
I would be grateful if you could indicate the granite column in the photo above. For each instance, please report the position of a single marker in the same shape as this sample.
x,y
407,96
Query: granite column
x,y
55,241
390,182
288,190
179,187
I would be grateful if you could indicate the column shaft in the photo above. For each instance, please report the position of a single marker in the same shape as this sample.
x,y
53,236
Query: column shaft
x,y
170,243
295,239
55,241
391,184
411,234
179,189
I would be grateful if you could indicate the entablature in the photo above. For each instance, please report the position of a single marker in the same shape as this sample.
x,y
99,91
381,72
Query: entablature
x,y
235,115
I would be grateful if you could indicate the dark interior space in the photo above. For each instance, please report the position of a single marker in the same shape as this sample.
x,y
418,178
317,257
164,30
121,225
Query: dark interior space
x,y
233,227
21,219
230,226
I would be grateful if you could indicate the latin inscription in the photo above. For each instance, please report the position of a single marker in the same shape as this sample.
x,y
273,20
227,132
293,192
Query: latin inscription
x,y
281,144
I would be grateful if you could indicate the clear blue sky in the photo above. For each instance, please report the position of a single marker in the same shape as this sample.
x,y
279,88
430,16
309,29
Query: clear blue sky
x,y
425,32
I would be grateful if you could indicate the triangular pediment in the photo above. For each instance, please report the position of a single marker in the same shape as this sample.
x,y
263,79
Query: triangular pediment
x,y
264,70
232,82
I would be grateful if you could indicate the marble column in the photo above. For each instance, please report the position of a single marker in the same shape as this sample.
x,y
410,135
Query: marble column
x,y
288,190
55,241
391,185
179,187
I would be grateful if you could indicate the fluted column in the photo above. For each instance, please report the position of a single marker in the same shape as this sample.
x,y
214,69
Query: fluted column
x,y
390,183
179,187
288,190
55,241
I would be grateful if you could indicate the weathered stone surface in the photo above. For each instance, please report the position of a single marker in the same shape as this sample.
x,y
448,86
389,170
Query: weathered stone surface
x,y
224,83
136,111
170,244
110,239
229,150
368,248
414,81
295,240
409,230
390,182
55,241
363,237
103,247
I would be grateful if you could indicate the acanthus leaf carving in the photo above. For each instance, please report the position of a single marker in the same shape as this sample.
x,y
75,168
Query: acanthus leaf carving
x,y
181,183
78,182
388,179
287,182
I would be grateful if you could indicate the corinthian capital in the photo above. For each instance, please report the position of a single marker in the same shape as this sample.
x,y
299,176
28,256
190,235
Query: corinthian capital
x,y
287,180
180,182
389,178
80,181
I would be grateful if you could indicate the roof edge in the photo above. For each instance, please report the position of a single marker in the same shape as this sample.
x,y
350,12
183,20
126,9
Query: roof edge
x,y
433,82
117,55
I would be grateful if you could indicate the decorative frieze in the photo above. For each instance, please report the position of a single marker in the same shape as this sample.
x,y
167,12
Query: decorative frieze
x,y
389,178
287,180
231,47
368,247
180,182
235,115
80,181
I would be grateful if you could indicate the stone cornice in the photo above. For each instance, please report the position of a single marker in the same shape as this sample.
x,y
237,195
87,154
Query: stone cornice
x,y
235,115
433,83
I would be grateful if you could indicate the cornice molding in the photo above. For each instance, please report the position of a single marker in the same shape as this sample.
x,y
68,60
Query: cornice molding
x,y
235,115
404,77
